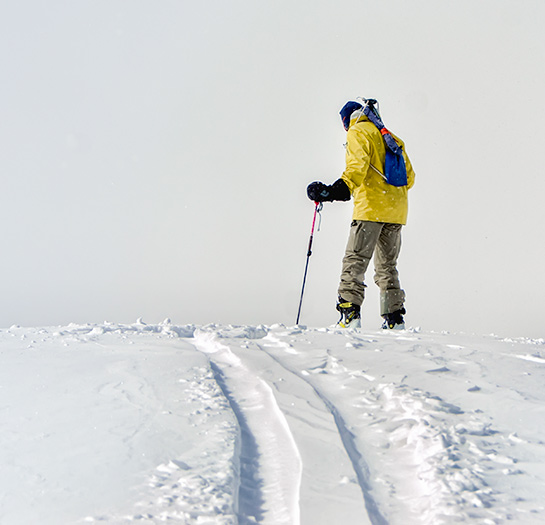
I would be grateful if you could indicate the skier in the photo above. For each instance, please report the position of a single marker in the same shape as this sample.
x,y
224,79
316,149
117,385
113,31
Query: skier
x,y
380,211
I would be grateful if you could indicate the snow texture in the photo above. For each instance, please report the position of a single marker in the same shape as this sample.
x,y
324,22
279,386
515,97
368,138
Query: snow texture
x,y
277,425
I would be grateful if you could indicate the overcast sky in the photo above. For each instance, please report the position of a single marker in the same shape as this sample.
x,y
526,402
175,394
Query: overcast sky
x,y
155,157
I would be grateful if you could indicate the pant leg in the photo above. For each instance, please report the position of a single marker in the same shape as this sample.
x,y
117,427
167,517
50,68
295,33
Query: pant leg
x,y
359,250
392,297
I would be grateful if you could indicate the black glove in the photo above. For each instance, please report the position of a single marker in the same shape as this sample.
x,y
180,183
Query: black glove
x,y
320,192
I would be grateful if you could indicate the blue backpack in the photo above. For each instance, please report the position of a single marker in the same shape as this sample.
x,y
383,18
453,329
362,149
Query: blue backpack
x,y
395,171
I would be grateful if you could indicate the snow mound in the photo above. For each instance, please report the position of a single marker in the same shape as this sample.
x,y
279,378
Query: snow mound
x,y
218,424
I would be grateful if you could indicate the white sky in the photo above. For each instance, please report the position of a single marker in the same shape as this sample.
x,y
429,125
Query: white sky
x,y
155,157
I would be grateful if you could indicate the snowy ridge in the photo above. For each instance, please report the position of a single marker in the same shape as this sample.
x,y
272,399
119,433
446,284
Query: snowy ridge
x,y
221,424
87,331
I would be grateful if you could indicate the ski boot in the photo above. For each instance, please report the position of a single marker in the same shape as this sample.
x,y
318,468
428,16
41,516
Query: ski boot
x,y
350,314
394,321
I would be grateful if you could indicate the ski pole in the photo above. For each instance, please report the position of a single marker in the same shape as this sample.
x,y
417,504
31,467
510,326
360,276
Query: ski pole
x,y
317,209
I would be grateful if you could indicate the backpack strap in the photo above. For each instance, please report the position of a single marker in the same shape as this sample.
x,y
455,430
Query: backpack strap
x,y
379,172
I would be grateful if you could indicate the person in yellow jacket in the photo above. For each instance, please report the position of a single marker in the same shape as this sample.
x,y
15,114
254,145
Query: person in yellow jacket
x,y
380,211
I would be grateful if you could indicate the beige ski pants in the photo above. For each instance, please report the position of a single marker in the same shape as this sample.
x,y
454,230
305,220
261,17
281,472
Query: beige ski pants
x,y
384,240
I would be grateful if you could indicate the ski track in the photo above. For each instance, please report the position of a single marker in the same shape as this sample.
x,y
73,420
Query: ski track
x,y
361,469
270,463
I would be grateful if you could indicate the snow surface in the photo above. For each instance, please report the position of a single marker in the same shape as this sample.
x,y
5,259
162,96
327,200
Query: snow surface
x,y
280,425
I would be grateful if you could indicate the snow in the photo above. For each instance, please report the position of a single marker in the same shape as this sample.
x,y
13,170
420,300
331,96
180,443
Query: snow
x,y
221,424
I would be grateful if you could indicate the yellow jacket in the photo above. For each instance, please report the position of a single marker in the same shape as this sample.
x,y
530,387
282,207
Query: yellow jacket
x,y
374,199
